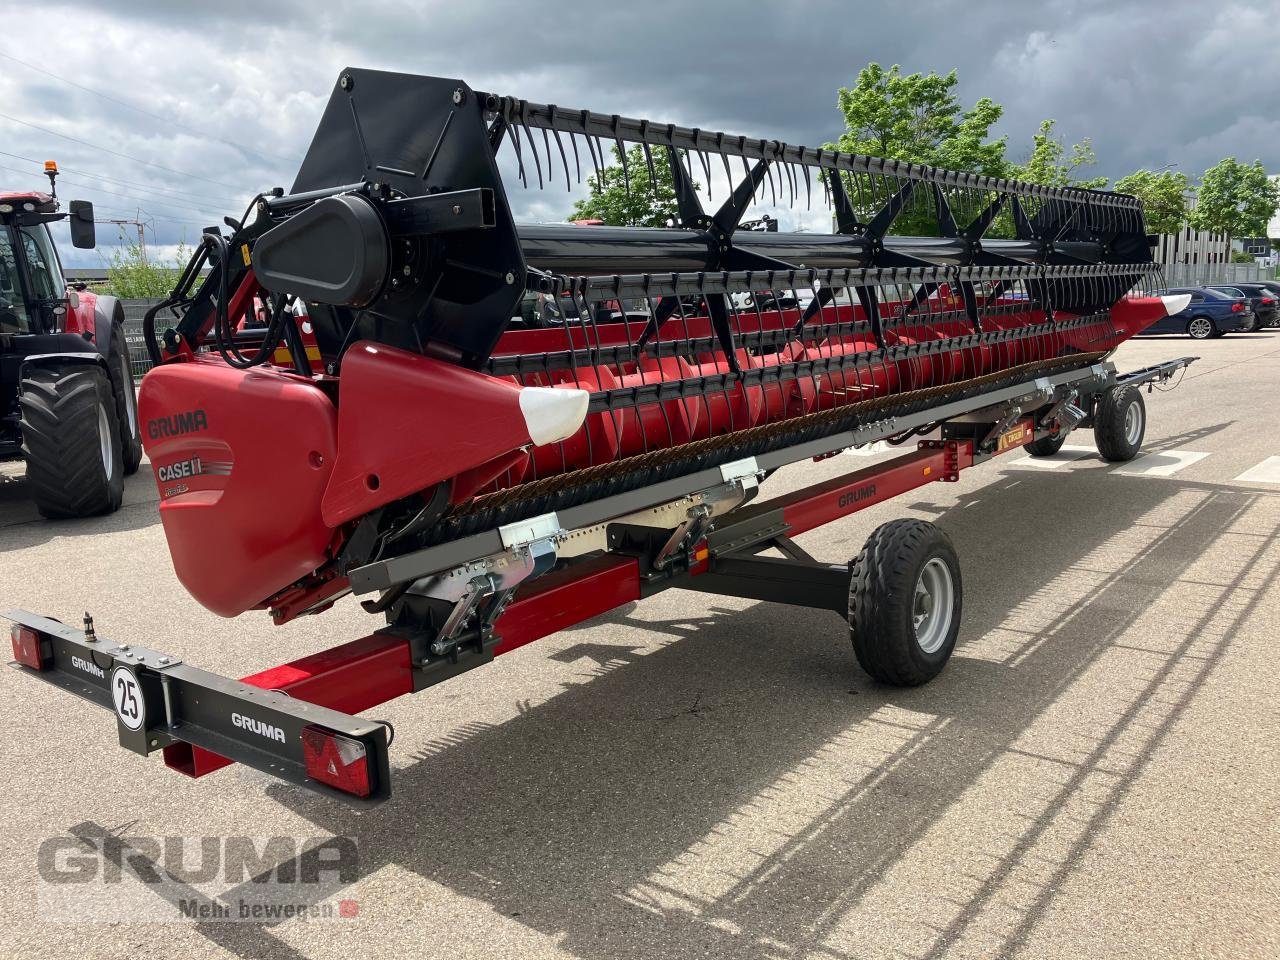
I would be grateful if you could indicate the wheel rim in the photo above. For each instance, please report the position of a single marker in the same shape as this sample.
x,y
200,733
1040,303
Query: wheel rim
x,y
104,440
1200,328
130,401
933,606
1133,424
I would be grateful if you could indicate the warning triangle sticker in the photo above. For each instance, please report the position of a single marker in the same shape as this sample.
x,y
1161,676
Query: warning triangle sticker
x,y
333,770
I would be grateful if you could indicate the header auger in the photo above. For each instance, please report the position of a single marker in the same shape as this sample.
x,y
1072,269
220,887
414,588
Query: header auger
x,y
503,429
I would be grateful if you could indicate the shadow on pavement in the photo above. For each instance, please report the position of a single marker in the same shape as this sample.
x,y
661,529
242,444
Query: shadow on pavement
x,y
21,525
746,792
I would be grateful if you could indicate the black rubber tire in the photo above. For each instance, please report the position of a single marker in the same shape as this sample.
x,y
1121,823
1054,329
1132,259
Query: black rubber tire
x,y
1110,430
1047,446
125,393
1213,329
62,408
882,589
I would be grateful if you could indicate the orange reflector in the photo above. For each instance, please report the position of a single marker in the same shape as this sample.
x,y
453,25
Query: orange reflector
x,y
928,470
702,554
29,648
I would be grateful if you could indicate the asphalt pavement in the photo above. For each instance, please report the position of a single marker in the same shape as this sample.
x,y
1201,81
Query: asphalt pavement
x,y
1095,774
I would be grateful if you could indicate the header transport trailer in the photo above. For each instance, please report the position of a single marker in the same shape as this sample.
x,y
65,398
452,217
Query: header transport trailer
x,y
481,482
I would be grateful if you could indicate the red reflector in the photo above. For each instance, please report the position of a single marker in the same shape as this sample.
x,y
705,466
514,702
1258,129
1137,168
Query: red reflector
x,y
1237,307
338,761
29,648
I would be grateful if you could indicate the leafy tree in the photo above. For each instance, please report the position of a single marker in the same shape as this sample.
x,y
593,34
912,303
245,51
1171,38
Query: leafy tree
x,y
1236,199
649,203
1163,196
131,274
1050,162
916,117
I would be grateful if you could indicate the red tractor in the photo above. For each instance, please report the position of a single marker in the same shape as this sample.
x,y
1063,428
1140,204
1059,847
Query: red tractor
x,y
67,400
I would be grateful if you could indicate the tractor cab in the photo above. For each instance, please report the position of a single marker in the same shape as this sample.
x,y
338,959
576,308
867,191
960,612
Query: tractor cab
x,y
33,293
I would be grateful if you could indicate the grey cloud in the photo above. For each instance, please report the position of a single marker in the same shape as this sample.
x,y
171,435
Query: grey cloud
x,y
1150,83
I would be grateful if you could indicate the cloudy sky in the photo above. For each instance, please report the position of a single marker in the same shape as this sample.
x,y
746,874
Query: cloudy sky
x,y
176,113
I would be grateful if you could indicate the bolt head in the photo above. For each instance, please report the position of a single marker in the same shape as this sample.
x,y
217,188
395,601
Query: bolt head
x,y
457,209
459,96
510,278
346,81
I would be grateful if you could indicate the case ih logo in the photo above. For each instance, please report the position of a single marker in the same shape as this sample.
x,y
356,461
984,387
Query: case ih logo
x,y
257,726
176,471
178,424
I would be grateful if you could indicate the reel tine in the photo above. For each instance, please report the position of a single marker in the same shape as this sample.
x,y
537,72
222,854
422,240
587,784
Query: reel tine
x,y
546,143
533,147
648,160
564,160
622,155
577,165
515,142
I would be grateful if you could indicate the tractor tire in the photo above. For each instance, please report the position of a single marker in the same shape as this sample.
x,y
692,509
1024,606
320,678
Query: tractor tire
x,y
905,600
1047,446
1120,423
71,441
125,394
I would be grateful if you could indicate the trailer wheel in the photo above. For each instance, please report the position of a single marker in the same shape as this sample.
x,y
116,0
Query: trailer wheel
x,y
905,598
1120,423
126,400
1047,446
71,441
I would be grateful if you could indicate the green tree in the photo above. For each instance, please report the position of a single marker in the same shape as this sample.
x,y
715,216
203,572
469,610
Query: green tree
x,y
1236,199
1163,195
648,203
131,274
1052,164
916,117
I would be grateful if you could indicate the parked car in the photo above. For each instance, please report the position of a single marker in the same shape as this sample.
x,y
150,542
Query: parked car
x,y
1210,313
1260,298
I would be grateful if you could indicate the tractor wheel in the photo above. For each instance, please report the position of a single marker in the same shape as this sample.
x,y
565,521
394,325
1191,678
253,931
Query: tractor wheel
x,y
1120,423
71,441
1047,446
905,599
125,394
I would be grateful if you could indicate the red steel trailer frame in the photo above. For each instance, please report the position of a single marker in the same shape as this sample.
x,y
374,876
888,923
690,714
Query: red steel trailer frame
x,y
296,720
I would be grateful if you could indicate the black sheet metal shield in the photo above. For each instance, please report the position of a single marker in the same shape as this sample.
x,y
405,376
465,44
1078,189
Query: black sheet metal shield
x,y
335,251
418,136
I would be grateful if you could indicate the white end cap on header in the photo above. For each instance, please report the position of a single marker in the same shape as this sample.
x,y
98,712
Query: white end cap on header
x,y
553,413
1176,302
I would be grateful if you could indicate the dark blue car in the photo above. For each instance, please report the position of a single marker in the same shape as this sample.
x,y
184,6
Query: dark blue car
x,y
1210,313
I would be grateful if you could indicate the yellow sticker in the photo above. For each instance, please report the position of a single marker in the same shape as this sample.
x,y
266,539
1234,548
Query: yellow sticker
x,y
1013,438
244,252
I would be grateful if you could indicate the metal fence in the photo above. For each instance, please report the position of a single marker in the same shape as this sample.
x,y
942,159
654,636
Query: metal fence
x,y
133,313
1196,274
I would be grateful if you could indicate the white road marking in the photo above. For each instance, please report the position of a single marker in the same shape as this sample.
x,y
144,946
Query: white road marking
x,y
1069,454
1268,471
1163,464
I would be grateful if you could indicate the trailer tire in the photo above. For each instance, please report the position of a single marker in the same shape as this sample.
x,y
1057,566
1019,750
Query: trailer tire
x,y
125,394
71,441
1120,423
905,600
1047,446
